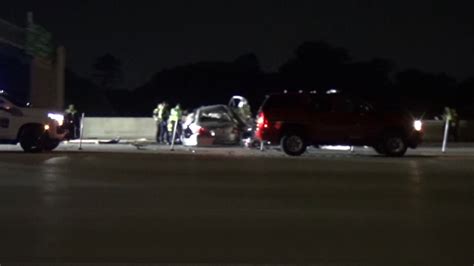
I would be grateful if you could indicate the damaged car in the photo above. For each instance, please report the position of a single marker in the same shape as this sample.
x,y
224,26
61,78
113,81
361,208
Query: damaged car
x,y
219,124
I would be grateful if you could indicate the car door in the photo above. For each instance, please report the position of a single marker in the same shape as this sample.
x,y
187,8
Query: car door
x,y
335,124
321,128
240,107
363,120
367,124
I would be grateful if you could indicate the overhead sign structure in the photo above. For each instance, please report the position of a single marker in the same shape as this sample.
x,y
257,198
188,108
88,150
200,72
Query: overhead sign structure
x,y
38,41
12,34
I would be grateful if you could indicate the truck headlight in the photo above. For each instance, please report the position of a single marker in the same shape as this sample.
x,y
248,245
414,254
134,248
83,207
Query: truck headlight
x,y
57,117
418,125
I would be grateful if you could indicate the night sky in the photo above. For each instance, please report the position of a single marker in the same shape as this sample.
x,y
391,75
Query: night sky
x,y
151,35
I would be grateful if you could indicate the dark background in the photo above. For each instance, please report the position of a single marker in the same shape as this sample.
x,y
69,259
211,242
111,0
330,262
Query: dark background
x,y
199,52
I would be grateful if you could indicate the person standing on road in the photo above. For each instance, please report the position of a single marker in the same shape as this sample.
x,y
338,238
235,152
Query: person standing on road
x,y
164,124
175,118
454,125
72,122
158,117
451,117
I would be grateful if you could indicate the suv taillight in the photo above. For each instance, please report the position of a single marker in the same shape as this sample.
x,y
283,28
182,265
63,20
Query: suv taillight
x,y
261,121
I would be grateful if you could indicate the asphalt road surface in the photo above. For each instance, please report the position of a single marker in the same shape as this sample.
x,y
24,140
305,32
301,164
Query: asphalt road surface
x,y
110,204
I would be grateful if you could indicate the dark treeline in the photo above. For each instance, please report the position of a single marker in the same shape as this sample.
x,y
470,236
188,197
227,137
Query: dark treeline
x,y
315,66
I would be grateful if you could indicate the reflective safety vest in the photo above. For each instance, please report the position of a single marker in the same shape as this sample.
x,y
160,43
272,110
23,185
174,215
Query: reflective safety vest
x,y
448,115
158,113
161,110
175,116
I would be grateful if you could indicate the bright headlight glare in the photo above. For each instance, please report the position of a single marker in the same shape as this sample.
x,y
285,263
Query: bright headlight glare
x,y
57,117
418,125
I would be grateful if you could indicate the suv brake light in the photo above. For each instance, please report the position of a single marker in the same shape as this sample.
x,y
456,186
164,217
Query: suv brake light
x,y
261,121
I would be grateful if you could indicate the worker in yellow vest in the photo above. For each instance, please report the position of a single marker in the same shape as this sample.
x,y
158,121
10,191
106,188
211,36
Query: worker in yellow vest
x,y
72,122
451,116
175,118
160,115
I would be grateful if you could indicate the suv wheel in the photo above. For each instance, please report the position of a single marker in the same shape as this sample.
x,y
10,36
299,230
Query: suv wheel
x,y
380,149
395,146
30,138
293,144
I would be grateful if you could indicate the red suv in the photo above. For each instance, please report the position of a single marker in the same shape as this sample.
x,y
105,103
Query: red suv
x,y
296,121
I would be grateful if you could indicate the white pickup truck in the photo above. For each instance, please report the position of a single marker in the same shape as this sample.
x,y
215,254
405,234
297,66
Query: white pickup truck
x,y
35,129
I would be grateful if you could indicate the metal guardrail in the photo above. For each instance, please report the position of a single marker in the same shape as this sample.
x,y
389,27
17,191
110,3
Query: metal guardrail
x,y
12,34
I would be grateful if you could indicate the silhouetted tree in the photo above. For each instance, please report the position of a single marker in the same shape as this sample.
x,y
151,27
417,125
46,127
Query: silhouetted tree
x,y
315,65
202,83
248,63
107,71
371,79
425,92
85,95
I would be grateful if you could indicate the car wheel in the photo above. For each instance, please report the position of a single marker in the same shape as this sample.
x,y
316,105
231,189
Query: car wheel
x,y
50,144
395,146
380,149
30,138
293,144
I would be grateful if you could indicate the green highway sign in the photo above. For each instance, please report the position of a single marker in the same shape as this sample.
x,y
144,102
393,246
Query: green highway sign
x,y
39,41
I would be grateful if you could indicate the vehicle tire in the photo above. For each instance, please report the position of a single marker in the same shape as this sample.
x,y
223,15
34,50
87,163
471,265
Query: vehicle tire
x,y
293,144
380,149
30,138
50,144
395,145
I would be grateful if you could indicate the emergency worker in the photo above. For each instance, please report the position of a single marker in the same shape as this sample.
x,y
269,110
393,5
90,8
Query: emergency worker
x,y
72,122
451,116
158,117
174,118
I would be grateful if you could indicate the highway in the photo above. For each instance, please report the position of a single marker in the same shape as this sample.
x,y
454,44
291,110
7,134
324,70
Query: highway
x,y
117,203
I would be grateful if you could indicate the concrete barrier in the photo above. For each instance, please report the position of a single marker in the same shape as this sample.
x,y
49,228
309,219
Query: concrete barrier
x,y
466,131
144,127
434,130
123,127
